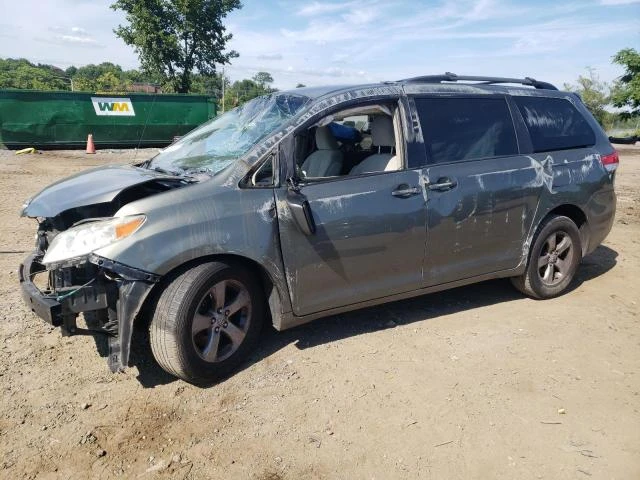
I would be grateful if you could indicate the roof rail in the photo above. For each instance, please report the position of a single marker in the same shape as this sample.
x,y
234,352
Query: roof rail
x,y
452,77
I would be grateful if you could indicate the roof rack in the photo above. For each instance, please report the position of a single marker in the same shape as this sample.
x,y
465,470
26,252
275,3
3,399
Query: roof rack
x,y
452,77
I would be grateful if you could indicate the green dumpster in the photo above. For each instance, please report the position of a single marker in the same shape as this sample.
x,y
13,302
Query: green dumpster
x,y
45,119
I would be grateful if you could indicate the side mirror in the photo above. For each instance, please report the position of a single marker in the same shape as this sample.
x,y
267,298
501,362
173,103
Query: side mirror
x,y
301,212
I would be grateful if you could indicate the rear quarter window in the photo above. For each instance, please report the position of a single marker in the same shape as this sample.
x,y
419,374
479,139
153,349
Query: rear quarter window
x,y
554,124
457,129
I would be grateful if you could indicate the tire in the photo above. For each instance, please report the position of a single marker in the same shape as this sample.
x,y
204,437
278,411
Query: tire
x,y
553,259
206,321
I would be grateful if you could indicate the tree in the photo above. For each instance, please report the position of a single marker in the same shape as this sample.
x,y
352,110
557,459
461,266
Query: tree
x,y
175,38
71,71
104,77
263,79
244,90
22,74
207,84
626,91
595,94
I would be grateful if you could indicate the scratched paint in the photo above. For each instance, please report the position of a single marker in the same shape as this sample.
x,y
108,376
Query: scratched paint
x,y
221,216
265,210
339,202
544,173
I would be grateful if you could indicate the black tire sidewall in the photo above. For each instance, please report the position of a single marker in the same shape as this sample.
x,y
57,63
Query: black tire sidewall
x,y
557,224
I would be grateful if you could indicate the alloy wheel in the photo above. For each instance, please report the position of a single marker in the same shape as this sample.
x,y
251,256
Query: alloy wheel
x,y
555,258
221,321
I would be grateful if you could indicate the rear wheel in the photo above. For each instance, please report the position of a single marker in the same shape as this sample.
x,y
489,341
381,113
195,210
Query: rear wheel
x,y
553,259
206,322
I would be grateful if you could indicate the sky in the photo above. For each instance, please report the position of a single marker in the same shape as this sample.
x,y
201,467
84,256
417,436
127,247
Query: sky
x,y
321,42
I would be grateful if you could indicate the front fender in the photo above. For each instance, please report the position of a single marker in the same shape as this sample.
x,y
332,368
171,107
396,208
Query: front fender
x,y
203,221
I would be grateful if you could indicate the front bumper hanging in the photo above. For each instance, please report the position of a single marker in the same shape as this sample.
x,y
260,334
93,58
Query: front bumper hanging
x,y
115,287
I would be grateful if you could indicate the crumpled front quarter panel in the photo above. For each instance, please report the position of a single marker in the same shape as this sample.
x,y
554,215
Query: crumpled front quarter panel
x,y
201,220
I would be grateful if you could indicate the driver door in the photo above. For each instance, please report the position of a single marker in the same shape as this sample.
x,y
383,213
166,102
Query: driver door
x,y
369,240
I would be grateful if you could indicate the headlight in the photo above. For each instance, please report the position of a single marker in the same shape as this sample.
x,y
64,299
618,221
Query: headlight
x,y
25,205
88,237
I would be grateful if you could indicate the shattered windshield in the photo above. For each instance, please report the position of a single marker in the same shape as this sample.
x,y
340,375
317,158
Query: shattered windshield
x,y
218,143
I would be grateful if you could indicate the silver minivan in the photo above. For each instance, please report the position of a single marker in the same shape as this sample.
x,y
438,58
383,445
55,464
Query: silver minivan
x,y
316,201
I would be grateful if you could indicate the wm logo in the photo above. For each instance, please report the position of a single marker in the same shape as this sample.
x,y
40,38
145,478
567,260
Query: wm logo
x,y
113,106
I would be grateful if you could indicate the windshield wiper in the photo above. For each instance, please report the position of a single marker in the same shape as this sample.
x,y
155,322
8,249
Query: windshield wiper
x,y
197,170
166,172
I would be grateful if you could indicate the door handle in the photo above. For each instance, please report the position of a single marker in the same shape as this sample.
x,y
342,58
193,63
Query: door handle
x,y
442,184
405,191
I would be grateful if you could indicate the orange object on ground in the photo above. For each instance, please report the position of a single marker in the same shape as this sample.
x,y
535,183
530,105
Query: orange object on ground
x,y
91,148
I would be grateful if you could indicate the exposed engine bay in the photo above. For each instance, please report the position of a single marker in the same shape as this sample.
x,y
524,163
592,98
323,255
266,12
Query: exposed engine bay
x,y
110,294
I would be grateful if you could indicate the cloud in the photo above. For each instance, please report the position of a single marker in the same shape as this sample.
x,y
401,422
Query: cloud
x,y
71,36
69,30
269,56
76,39
378,40
618,2
290,75
352,41
390,20
322,8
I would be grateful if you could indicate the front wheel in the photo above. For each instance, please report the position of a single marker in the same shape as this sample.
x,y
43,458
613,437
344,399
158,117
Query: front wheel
x,y
553,259
206,321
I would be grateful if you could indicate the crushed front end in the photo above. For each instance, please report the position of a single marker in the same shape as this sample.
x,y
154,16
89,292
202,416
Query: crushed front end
x,y
66,275
112,292
63,277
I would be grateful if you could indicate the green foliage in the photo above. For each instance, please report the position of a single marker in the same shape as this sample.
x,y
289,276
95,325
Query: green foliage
x,y
105,77
176,38
626,91
625,126
595,94
263,79
108,77
244,90
20,73
207,84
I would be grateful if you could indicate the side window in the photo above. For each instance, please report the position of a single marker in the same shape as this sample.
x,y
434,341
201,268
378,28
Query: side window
x,y
263,175
554,124
456,129
354,141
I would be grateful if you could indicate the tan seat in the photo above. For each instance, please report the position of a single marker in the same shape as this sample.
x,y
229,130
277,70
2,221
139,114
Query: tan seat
x,y
326,161
382,135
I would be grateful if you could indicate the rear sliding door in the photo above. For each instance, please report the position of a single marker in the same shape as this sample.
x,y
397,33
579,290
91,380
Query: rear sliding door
x,y
481,193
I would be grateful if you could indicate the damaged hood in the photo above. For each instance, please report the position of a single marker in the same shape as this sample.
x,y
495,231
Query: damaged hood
x,y
98,185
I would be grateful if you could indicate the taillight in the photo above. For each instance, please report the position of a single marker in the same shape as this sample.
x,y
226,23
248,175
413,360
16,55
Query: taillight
x,y
610,162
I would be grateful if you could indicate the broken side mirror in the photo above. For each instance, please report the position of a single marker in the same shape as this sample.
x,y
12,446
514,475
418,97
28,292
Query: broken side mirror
x,y
300,209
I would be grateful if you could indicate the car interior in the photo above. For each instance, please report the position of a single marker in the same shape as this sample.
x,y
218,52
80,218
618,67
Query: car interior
x,y
350,142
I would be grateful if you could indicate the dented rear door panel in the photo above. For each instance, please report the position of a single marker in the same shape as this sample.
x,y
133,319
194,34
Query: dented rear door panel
x,y
480,225
578,178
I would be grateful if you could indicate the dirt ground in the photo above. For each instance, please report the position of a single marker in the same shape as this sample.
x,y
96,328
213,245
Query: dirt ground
x,y
478,382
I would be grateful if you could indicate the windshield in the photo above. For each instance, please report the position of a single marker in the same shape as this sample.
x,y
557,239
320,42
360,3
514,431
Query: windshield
x,y
219,142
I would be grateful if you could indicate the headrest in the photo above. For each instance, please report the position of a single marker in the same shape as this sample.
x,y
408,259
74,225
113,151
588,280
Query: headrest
x,y
382,131
325,139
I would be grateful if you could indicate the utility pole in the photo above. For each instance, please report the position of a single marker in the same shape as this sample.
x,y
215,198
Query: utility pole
x,y
223,82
